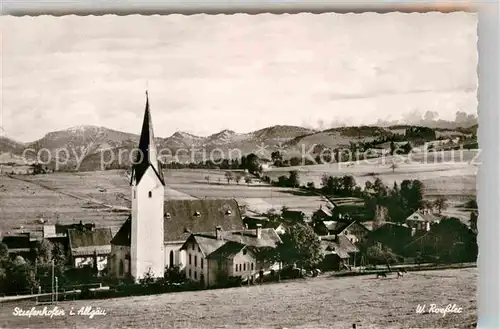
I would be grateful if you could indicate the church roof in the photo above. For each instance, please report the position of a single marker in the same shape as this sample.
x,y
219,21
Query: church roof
x,y
183,217
147,153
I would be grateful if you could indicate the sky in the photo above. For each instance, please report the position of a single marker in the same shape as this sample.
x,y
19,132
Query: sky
x,y
238,72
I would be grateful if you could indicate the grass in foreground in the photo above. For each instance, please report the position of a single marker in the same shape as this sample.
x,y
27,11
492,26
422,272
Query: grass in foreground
x,y
323,302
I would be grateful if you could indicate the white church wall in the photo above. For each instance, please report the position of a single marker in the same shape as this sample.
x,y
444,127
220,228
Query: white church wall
x,y
147,226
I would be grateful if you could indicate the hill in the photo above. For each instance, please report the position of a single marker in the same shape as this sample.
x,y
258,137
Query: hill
x,y
89,143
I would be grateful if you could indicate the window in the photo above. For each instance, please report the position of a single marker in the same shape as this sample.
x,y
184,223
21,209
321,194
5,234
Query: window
x,y
252,266
195,260
150,194
134,194
189,273
244,266
240,267
171,258
120,271
189,259
244,251
195,274
236,268
201,261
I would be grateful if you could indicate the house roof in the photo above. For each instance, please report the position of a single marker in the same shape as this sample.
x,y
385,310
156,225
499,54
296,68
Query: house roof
x,y
330,224
209,243
21,241
122,237
89,240
423,217
183,217
341,226
201,215
148,155
339,245
228,250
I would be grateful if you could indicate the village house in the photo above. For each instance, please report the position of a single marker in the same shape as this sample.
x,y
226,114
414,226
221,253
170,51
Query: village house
x,y
90,247
215,257
151,238
339,252
252,222
18,244
422,220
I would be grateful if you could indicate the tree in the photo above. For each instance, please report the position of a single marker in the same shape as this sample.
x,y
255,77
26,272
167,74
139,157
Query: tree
x,y
42,251
237,179
248,180
253,164
441,203
393,148
277,158
229,176
300,246
294,178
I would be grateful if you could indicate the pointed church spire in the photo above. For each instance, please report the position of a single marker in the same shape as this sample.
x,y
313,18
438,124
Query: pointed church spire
x,y
147,153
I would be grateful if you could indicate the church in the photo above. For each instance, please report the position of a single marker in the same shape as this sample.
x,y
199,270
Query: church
x,y
150,240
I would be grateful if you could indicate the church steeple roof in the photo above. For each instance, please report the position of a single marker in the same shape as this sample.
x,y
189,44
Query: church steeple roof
x,y
146,154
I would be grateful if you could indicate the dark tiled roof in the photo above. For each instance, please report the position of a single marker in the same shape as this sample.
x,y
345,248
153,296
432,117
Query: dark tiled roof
x,y
17,241
183,217
209,243
252,222
340,245
122,237
98,237
228,250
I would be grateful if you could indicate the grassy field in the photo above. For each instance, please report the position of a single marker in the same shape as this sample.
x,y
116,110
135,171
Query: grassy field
x,y
323,302
90,196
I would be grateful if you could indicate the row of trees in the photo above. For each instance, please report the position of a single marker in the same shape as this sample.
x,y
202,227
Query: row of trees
x,y
250,162
27,274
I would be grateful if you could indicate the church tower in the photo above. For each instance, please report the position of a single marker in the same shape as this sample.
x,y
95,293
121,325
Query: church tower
x,y
148,190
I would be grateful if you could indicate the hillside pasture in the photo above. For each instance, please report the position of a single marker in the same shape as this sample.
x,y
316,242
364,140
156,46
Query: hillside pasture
x,y
103,197
323,302
441,176
23,204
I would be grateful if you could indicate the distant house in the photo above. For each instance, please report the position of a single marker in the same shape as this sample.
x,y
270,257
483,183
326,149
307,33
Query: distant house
x,y
354,231
294,215
422,220
351,211
252,222
215,257
18,244
322,214
181,219
90,247
58,233
338,252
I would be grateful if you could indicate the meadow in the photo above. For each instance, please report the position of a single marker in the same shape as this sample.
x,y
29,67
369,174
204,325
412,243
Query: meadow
x,y
103,197
323,302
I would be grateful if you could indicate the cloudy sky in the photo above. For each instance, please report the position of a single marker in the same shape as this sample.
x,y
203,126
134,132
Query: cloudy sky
x,y
240,72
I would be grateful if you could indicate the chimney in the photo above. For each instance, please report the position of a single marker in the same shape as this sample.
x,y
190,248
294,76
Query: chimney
x,y
218,232
258,231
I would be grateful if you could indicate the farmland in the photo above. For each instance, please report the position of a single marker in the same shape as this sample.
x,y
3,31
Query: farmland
x,y
323,302
103,196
